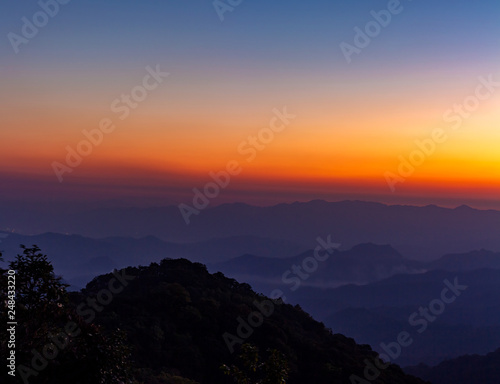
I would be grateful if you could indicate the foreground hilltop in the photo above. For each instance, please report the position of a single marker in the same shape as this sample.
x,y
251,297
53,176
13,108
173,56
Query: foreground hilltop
x,y
183,321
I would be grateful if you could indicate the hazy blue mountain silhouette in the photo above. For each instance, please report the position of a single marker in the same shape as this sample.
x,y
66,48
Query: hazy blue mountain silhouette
x,y
371,313
79,258
467,261
361,264
468,369
377,312
422,233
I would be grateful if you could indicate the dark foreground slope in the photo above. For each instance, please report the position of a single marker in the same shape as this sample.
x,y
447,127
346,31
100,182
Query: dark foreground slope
x,y
467,369
175,315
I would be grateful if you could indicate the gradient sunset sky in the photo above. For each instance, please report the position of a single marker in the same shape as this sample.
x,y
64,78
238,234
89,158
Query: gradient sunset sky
x,y
353,121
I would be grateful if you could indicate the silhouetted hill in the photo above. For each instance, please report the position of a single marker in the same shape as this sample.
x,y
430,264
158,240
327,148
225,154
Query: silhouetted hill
x,y
175,315
469,369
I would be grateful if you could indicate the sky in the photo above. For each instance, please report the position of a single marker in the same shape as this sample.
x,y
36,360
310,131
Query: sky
x,y
375,100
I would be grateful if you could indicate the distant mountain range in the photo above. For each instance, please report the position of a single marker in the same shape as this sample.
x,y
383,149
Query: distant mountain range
x,y
259,261
392,261
468,261
78,259
361,264
420,233
377,312
462,370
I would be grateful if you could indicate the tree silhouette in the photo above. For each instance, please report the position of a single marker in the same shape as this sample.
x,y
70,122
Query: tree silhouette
x,y
38,288
45,351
